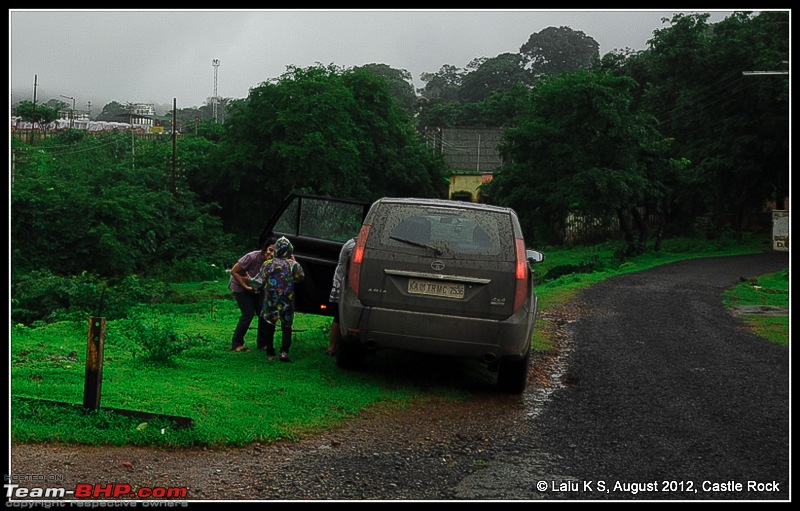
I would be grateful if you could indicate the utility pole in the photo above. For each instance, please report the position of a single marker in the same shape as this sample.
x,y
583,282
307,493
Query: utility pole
x,y
215,99
35,83
71,112
174,146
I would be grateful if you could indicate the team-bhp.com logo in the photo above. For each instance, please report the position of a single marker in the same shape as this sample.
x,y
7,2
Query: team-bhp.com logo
x,y
97,491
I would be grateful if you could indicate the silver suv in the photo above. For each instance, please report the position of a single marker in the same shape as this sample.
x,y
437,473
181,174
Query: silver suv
x,y
441,277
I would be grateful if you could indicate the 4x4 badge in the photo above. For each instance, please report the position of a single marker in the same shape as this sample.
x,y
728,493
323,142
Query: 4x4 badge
x,y
437,265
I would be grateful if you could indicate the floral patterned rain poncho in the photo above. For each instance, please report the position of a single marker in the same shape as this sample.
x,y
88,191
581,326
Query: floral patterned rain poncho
x,y
280,274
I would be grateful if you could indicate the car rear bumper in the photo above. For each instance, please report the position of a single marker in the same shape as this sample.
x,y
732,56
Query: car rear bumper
x,y
456,336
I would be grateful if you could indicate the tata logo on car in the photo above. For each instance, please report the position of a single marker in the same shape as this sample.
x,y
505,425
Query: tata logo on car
x,y
437,265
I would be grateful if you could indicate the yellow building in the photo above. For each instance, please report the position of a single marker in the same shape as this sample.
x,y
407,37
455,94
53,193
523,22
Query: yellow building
x,y
472,156
466,186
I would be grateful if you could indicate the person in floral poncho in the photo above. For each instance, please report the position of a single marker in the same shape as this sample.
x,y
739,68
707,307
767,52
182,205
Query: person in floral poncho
x,y
280,273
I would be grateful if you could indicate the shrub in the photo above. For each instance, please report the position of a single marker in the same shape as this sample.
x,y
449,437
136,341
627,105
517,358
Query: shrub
x,y
44,296
153,338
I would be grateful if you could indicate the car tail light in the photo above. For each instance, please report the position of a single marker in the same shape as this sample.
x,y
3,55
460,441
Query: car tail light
x,y
521,290
354,276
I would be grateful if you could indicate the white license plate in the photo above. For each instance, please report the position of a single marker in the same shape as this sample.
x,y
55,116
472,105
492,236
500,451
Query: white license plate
x,y
436,288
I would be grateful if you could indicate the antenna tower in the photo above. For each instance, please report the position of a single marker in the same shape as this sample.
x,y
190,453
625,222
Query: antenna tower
x,y
215,99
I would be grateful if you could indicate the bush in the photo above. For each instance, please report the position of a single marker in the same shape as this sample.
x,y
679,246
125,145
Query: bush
x,y
153,338
44,296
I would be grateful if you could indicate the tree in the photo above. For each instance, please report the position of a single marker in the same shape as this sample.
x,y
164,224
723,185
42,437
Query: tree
x,y
559,50
442,85
489,75
502,108
580,148
36,114
732,128
112,111
322,130
400,84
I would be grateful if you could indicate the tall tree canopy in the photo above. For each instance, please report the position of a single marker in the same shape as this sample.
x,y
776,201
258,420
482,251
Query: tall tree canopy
x,y
442,85
730,125
112,111
559,50
400,84
322,130
490,75
581,148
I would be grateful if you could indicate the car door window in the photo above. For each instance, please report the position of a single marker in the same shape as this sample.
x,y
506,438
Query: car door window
x,y
320,218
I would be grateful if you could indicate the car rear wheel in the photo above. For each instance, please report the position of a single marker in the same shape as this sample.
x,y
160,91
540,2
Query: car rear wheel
x,y
512,375
349,354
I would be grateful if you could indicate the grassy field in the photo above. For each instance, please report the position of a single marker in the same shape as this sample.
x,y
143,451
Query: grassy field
x,y
237,398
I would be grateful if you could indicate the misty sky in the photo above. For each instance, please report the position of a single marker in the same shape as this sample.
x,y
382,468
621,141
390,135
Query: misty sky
x,y
153,56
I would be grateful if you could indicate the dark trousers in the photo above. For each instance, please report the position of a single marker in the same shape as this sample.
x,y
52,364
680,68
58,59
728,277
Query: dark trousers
x,y
286,338
250,306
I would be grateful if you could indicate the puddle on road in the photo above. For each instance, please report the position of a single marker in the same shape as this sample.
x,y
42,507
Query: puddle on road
x,y
549,378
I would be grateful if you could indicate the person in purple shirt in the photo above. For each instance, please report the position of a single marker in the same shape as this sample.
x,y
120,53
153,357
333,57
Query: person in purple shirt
x,y
249,297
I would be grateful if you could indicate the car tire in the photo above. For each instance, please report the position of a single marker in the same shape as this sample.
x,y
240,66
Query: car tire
x,y
349,354
512,375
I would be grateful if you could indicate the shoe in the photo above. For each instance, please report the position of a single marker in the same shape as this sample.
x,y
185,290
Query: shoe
x,y
284,357
240,348
262,348
270,357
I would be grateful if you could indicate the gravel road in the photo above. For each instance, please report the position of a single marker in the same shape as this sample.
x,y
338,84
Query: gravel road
x,y
658,394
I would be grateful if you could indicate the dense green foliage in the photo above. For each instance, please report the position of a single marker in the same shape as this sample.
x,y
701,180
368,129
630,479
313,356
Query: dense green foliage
x,y
399,83
730,126
623,163
321,130
41,296
559,50
108,205
717,141
98,223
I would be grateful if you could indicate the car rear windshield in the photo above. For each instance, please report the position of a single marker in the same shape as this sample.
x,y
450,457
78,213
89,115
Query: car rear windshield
x,y
453,231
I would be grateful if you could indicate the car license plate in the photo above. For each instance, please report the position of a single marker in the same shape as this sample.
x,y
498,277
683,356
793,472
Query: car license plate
x,y
436,288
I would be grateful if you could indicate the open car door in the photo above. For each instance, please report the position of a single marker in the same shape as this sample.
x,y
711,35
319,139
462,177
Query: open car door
x,y
317,226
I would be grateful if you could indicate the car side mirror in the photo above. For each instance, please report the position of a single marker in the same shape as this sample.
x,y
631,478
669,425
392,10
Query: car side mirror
x,y
534,256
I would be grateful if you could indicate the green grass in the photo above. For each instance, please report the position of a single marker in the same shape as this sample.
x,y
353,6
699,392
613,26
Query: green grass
x,y
770,290
238,398
233,398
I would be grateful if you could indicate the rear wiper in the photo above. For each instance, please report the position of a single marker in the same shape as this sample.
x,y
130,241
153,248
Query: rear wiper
x,y
436,251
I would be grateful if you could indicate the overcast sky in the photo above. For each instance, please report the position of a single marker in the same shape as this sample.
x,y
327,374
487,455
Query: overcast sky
x,y
153,56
